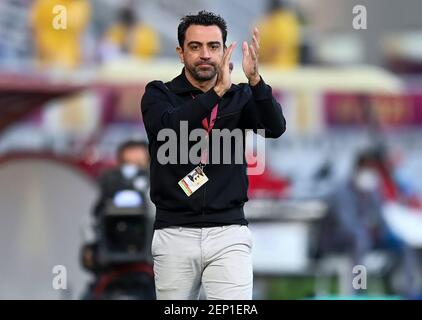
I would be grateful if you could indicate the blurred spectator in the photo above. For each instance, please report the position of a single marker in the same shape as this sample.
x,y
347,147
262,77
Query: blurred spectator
x,y
118,256
15,47
128,36
132,172
280,36
58,32
355,224
393,187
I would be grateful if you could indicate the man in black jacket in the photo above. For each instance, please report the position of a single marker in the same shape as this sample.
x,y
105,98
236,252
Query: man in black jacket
x,y
131,173
201,234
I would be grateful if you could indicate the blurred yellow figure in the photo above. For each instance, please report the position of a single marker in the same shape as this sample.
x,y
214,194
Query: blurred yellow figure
x,y
58,26
128,36
280,37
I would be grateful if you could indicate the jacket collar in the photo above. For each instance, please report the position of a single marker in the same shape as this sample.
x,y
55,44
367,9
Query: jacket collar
x,y
181,84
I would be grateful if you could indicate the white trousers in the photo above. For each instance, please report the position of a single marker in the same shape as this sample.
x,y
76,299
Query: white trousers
x,y
219,258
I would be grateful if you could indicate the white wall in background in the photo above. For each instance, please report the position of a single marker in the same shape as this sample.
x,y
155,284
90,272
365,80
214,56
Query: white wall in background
x,y
42,204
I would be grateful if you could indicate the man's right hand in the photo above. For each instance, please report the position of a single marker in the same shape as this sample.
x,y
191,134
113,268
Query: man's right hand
x,y
224,81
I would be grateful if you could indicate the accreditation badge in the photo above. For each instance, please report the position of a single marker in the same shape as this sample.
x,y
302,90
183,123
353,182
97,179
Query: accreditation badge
x,y
193,181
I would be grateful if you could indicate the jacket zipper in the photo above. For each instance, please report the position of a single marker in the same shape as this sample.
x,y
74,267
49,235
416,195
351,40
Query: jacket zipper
x,y
203,202
203,194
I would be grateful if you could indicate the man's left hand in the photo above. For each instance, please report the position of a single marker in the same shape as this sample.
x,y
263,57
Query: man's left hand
x,y
250,59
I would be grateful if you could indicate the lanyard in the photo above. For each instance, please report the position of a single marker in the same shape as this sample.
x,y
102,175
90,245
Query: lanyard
x,y
208,126
212,119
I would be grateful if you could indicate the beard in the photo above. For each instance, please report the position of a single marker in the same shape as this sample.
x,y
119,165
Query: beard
x,y
201,73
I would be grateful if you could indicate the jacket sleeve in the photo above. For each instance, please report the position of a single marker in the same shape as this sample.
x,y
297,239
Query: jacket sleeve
x,y
263,112
159,112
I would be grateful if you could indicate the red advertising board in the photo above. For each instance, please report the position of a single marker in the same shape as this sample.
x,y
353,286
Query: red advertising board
x,y
389,111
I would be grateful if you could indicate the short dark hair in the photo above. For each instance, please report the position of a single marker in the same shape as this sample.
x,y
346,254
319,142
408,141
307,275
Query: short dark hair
x,y
127,17
367,157
203,18
129,144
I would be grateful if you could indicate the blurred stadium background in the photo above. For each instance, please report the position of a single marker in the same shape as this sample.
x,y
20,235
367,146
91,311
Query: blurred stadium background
x,y
69,97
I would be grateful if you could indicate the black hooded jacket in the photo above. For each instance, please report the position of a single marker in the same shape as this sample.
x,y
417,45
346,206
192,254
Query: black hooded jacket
x,y
220,201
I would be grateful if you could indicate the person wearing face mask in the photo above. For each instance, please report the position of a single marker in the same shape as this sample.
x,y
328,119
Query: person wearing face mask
x,y
122,225
131,173
355,223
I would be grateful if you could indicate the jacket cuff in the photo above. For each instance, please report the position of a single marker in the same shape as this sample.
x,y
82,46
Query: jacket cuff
x,y
260,90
